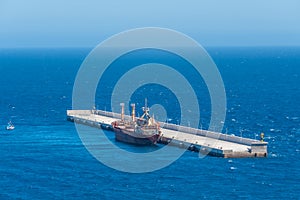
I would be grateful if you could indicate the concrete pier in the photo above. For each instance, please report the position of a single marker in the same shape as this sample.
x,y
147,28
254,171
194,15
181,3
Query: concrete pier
x,y
207,142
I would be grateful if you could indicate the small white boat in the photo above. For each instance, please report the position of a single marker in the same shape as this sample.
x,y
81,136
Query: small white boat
x,y
10,126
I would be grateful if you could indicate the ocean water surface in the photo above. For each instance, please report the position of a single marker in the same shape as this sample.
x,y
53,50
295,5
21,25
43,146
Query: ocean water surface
x,y
44,158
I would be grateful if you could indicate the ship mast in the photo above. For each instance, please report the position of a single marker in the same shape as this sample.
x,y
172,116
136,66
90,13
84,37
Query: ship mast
x,y
122,111
146,110
133,112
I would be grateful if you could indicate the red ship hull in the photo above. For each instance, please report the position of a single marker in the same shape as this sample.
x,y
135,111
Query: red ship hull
x,y
131,138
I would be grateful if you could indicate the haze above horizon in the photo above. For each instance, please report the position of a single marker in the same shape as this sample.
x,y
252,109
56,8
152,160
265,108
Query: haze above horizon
x,y
34,23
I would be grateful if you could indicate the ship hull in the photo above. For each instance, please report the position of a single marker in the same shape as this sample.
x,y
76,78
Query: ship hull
x,y
128,137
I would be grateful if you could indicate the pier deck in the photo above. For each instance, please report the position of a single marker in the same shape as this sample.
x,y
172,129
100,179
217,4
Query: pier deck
x,y
207,142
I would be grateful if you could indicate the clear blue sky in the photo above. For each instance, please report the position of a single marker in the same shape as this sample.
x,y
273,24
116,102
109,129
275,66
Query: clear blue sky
x,y
76,23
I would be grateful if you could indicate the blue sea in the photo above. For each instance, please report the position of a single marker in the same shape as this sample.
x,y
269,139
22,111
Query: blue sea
x,y
44,158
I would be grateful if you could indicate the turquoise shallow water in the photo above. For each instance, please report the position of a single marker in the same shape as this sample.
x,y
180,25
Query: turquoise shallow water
x,y
43,158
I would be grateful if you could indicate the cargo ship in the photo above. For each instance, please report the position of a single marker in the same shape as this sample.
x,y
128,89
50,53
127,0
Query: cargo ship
x,y
142,131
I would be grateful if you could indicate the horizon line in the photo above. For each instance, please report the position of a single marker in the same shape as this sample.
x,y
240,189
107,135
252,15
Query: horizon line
x,y
92,47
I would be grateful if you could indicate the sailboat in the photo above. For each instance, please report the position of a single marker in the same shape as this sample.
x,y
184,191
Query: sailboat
x,y
10,126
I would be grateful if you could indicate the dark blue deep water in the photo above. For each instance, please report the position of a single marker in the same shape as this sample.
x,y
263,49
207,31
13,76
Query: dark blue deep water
x,y
43,158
